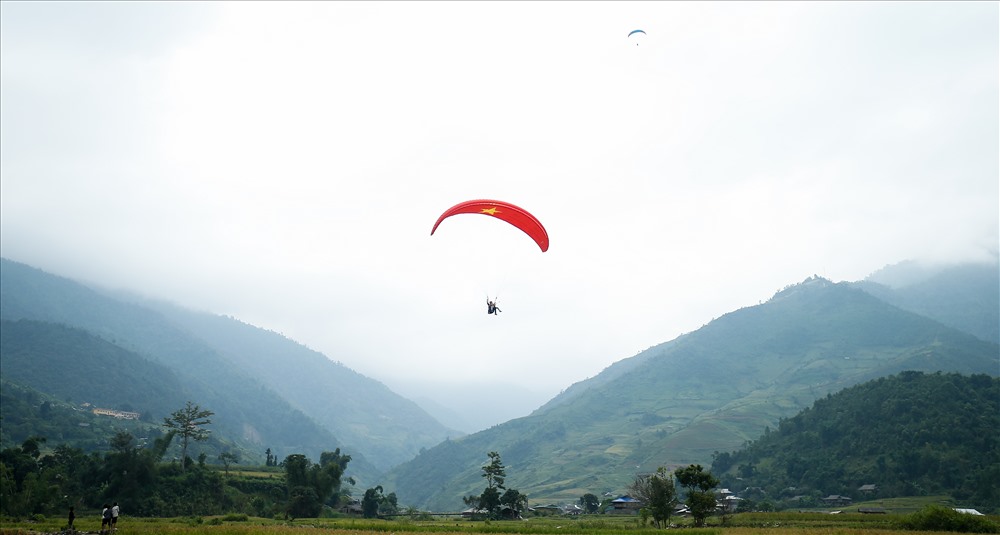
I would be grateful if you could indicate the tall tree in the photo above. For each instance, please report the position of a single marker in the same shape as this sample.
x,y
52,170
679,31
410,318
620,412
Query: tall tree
x,y
322,481
494,473
227,458
657,492
699,485
187,423
371,500
590,502
332,465
662,497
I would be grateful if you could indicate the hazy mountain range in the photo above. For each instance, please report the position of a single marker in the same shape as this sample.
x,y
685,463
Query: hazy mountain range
x,y
266,390
675,403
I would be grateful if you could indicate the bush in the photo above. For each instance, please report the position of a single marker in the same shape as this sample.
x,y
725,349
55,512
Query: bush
x,y
939,518
233,517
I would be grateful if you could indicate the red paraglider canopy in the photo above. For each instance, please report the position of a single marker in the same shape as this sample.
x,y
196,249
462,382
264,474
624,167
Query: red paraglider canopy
x,y
510,213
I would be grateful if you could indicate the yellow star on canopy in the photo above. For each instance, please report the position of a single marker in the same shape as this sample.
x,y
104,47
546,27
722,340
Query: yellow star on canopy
x,y
492,210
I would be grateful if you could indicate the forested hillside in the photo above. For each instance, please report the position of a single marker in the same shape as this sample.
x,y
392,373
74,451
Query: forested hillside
x,y
28,413
908,434
74,365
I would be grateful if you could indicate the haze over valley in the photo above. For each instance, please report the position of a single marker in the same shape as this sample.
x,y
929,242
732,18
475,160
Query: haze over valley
x,y
676,403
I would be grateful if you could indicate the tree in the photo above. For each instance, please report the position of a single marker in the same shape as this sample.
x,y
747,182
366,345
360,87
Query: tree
x,y
699,485
472,502
390,505
227,458
662,497
187,423
372,499
494,472
590,502
657,492
516,502
303,503
329,474
322,480
640,488
489,501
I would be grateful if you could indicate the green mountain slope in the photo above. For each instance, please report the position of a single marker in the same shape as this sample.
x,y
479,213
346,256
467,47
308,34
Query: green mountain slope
x,y
75,365
26,413
710,390
907,434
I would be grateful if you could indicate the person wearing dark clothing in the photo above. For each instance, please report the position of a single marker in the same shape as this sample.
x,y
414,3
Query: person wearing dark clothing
x,y
491,307
106,519
72,517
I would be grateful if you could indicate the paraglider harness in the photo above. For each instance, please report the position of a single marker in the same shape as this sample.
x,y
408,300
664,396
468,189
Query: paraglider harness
x,y
491,306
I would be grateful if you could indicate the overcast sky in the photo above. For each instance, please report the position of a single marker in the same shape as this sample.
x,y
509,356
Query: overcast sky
x,y
283,163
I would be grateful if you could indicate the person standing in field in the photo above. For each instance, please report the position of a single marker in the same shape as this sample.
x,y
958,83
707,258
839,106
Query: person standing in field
x,y
106,518
114,517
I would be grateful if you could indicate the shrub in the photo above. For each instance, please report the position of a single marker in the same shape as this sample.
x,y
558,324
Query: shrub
x,y
939,518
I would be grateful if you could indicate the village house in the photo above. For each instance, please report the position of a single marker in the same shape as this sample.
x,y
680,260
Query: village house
x,y
868,490
625,505
835,500
728,504
352,507
549,509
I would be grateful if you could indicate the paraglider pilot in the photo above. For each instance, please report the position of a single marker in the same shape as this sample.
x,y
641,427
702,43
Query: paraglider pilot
x,y
491,307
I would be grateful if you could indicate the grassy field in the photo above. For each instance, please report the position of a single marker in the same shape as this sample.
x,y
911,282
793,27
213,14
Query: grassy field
x,y
783,523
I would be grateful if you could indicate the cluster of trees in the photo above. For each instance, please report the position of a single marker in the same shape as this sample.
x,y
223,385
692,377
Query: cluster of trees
x,y
659,494
491,502
375,503
310,486
136,476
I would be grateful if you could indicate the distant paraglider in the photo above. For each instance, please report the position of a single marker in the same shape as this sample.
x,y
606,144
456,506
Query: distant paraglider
x,y
637,36
504,211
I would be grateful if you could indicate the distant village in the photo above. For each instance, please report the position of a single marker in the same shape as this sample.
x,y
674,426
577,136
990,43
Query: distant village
x,y
121,415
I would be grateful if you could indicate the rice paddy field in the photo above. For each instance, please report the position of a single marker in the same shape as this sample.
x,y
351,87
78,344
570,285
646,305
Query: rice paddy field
x,y
783,523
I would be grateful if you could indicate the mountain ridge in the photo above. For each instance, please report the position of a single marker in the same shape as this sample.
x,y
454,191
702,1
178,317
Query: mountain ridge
x,y
711,389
